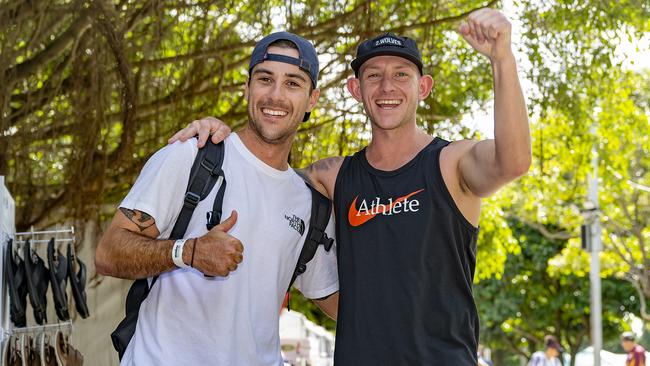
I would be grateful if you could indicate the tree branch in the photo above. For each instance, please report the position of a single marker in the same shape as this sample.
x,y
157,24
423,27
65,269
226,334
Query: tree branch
x,y
635,229
514,347
642,301
434,22
106,18
629,260
51,52
209,53
559,235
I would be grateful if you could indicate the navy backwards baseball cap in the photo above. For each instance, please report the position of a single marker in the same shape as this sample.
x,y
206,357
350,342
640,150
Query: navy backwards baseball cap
x,y
307,61
387,44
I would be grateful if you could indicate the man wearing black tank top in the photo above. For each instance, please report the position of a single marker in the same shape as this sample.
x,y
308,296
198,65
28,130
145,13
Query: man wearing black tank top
x,y
407,206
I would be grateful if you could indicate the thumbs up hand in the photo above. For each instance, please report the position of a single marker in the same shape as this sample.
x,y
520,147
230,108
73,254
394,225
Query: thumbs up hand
x,y
217,253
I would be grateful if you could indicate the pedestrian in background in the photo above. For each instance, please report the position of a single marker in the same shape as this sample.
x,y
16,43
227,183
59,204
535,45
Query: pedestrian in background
x,y
550,356
635,353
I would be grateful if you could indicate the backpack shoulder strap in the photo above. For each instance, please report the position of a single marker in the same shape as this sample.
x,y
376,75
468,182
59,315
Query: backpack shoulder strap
x,y
205,173
321,209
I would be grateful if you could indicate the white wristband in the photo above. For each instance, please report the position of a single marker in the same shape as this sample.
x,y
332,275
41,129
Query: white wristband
x,y
177,253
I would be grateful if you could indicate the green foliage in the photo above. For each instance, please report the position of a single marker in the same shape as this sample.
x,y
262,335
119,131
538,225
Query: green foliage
x,y
527,302
303,305
495,238
558,179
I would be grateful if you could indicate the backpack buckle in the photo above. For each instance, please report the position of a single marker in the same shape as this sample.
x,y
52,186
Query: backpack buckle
x,y
191,199
327,242
301,268
213,169
321,238
213,219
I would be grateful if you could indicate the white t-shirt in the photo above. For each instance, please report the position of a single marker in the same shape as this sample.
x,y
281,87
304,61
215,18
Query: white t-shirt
x,y
189,319
539,359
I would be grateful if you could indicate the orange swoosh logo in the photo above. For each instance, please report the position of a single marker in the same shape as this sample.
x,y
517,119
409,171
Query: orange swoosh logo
x,y
357,218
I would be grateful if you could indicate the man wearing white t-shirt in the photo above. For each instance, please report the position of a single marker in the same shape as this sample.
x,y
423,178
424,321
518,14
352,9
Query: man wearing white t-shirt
x,y
230,319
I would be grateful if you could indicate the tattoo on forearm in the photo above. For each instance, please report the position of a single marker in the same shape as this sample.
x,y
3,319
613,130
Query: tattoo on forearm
x,y
142,219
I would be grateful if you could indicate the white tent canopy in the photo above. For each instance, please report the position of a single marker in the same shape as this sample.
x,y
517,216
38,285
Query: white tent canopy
x,y
586,358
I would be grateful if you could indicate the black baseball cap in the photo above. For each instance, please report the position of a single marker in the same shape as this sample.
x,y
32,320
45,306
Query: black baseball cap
x,y
387,44
307,59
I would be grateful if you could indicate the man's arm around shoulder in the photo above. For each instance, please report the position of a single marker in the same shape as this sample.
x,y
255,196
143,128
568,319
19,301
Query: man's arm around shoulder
x,y
322,174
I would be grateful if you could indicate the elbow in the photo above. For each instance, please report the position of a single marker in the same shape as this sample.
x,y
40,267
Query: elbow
x,y
523,166
518,167
103,264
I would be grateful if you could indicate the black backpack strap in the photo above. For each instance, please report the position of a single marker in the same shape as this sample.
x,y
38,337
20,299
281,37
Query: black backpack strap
x,y
321,209
206,171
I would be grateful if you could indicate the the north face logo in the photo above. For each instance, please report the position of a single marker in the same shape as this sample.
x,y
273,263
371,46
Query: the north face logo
x,y
296,223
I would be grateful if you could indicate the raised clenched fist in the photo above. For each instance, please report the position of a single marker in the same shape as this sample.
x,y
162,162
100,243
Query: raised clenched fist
x,y
488,31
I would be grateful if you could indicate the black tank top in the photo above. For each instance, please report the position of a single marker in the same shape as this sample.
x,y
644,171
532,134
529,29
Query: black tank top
x,y
406,258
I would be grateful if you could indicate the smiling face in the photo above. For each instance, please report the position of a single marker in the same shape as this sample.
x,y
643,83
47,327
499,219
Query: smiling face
x,y
278,96
390,88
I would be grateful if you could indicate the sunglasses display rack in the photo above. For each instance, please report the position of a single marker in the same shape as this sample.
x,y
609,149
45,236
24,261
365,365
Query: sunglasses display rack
x,y
33,264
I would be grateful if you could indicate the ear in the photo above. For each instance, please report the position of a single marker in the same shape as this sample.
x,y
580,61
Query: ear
x,y
354,87
313,99
425,86
246,89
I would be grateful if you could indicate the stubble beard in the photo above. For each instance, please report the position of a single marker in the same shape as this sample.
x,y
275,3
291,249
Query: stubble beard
x,y
278,138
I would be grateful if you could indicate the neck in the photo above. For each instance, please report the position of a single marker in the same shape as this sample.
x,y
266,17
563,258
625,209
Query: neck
x,y
274,155
391,149
549,354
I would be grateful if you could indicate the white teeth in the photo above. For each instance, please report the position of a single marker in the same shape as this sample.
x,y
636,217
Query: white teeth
x,y
389,101
274,112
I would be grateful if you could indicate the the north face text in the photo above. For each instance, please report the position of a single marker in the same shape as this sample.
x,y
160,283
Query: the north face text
x,y
296,223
